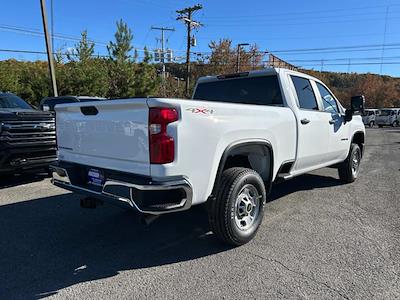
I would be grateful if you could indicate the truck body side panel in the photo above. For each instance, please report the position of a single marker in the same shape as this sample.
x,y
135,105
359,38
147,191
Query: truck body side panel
x,y
206,129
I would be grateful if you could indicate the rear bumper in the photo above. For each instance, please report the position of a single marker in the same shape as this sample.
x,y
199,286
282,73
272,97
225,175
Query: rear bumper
x,y
129,190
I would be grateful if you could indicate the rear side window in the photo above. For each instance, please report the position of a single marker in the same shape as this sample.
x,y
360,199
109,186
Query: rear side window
x,y
263,90
305,93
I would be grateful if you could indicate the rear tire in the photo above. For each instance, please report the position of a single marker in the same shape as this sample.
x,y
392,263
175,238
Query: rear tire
x,y
349,169
380,126
235,214
394,124
371,124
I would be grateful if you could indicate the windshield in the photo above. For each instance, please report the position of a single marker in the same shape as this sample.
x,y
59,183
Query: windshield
x,y
263,90
385,112
12,101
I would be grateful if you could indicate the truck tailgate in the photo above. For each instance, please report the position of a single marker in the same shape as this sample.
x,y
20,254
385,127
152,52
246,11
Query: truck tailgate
x,y
107,134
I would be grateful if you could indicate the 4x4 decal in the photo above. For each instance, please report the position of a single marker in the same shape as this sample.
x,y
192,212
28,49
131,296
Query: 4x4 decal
x,y
200,110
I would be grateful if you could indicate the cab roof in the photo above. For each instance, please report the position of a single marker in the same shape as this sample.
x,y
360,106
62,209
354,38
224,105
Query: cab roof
x,y
256,73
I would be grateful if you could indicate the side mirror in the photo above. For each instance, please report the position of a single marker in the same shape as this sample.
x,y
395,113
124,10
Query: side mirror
x,y
348,115
357,104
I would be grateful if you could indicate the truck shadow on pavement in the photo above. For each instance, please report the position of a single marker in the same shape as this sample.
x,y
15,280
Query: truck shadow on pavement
x,y
50,243
302,183
11,180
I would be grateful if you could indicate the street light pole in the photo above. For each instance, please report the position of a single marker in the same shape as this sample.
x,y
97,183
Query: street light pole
x,y
238,56
50,57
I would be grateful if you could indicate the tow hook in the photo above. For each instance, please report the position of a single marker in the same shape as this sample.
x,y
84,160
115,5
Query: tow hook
x,y
148,219
89,202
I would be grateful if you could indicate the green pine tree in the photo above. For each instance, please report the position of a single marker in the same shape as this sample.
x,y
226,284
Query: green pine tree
x,y
147,81
85,48
121,69
120,49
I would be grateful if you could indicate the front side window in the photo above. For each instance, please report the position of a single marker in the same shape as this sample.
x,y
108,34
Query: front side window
x,y
328,101
305,93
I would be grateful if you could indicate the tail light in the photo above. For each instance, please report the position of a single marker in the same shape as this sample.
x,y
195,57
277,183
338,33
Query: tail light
x,y
162,146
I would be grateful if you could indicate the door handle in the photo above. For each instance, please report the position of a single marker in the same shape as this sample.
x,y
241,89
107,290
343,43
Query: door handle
x,y
304,121
332,121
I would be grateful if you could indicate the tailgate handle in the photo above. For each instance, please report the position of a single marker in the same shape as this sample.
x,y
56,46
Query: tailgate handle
x,y
89,110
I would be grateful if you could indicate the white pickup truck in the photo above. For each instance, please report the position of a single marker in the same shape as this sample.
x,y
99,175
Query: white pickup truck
x,y
225,147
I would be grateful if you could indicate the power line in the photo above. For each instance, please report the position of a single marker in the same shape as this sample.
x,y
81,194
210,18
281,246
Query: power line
x,y
66,54
344,59
333,48
316,64
301,37
61,36
23,51
284,24
312,12
40,33
312,17
343,51
356,64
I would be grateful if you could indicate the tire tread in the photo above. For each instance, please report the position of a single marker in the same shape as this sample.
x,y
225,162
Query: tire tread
x,y
219,212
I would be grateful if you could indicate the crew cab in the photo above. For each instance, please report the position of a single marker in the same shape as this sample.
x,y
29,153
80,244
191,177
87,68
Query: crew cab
x,y
27,136
225,147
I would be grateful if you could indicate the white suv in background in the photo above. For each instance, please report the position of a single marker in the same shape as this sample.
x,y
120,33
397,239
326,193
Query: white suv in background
x,y
388,117
369,117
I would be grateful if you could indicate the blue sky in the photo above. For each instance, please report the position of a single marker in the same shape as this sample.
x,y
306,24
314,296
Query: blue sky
x,y
274,26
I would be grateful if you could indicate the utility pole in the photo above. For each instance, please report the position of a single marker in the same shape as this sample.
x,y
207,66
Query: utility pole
x,y
162,58
52,24
186,16
50,57
162,29
384,38
238,56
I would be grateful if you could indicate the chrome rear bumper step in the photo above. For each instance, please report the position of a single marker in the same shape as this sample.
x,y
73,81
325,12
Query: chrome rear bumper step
x,y
153,198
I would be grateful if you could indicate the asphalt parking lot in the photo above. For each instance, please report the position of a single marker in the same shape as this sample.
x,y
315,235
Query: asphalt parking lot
x,y
320,239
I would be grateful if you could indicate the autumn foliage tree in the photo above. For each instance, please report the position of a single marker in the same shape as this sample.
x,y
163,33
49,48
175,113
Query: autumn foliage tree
x,y
223,57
